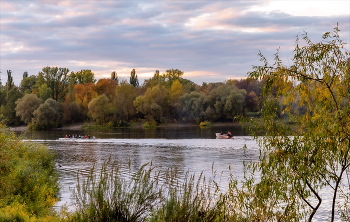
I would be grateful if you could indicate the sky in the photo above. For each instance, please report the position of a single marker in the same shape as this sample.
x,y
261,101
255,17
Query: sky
x,y
210,41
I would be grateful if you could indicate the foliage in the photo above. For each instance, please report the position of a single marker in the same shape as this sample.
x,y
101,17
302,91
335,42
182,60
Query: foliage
x,y
125,95
133,79
161,98
26,106
84,93
28,181
153,104
150,124
8,109
107,87
83,76
48,115
56,79
28,84
314,94
100,109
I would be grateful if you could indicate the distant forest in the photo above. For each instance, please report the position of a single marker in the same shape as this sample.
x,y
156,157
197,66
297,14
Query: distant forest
x,y
57,97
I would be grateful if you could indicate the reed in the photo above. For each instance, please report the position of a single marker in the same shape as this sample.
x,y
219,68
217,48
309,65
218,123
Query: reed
x,y
116,193
113,194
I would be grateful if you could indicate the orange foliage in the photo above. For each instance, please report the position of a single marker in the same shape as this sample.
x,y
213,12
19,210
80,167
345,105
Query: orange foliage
x,y
84,93
107,87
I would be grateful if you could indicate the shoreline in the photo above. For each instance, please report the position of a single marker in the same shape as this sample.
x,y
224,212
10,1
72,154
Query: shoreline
x,y
80,126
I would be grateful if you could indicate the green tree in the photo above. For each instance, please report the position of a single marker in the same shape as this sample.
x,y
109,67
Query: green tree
x,y
100,109
56,79
298,161
26,106
83,76
9,83
125,95
9,105
193,106
48,115
154,103
28,84
44,92
133,79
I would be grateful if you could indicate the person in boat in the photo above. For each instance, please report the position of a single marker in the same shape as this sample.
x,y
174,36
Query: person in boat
x,y
229,134
66,136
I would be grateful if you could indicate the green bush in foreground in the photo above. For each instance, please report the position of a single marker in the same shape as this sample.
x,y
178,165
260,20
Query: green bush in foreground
x,y
28,181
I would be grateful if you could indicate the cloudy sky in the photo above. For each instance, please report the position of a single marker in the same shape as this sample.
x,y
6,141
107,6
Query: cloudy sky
x,y
211,41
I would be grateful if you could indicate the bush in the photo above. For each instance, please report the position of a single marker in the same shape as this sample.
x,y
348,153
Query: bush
x,y
150,124
28,181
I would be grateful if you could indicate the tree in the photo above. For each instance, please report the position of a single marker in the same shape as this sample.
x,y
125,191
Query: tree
x,y
107,87
9,84
26,106
125,95
193,106
114,76
28,84
100,109
84,93
44,92
83,76
9,105
47,115
133,79
175,93
56,79
153,103
298,161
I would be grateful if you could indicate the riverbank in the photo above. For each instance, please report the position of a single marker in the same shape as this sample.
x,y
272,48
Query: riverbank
x,y
80,126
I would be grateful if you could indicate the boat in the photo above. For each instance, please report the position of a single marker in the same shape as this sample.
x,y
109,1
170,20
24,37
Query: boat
x,y
223,136
76,137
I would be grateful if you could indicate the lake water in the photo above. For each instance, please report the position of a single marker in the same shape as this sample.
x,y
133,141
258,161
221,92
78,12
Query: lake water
x,y
192,149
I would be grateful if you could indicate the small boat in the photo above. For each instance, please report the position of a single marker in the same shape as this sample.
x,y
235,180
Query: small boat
x,y
223,136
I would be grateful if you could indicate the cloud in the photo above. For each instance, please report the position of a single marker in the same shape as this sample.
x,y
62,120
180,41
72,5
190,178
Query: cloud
x,y
221,38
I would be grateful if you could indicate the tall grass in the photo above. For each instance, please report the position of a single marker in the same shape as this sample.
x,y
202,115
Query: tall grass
x,y
116,193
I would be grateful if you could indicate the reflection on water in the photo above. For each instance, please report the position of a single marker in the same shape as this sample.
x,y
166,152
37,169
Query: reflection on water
x,y
184,149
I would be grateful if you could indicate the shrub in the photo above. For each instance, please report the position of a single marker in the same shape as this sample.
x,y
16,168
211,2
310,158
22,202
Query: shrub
x,y
28,180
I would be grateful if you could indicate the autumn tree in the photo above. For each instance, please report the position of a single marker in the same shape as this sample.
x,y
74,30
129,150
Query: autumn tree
x,y
84,93
26,106
298,161
107,87
175,93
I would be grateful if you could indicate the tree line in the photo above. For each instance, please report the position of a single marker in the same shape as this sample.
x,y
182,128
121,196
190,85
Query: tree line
x,y
58,96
